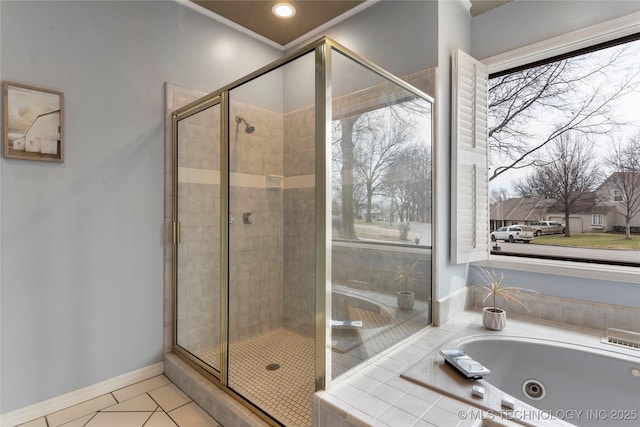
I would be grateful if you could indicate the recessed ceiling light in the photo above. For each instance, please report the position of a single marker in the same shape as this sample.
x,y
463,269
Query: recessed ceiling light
x,y
283,10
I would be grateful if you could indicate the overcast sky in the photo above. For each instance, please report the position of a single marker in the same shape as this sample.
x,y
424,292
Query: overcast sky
x,y
626,109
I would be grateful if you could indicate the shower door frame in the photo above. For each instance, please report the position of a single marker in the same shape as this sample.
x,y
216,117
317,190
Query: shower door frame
x,y
189,110
323,48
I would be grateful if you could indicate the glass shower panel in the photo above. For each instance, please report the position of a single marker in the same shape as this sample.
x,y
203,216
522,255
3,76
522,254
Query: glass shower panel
x,y
271,356
198,250
381,213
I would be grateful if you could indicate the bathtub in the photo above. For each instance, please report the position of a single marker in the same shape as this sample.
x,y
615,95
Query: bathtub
x,y
582,385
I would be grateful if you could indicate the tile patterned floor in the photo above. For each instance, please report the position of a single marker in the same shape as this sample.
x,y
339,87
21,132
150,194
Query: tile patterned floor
x,y
155,402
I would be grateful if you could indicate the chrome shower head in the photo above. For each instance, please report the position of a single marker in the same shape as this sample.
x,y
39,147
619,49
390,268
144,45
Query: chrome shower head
x,y
249,128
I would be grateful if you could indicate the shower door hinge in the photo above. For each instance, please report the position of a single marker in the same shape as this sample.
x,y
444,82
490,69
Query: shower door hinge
x,y
176,232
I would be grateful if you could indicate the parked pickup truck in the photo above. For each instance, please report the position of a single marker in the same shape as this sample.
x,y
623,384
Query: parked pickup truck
x,y
547,227
513,233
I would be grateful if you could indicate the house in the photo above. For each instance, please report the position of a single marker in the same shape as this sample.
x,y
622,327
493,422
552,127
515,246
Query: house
x,y
518,211
82,262
599,210
587,214
612,203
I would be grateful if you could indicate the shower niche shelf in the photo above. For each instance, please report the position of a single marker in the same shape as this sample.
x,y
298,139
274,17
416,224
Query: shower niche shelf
x,y
274,182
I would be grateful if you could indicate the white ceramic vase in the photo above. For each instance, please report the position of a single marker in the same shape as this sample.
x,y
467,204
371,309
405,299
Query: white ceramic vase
x,y
494,318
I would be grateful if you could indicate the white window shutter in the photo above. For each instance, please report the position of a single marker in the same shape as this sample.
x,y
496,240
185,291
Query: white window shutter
x,y
469,160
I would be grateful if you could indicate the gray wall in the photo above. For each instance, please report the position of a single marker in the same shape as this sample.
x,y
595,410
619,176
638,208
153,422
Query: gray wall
x,y
399,36
453,33
524,22
82,260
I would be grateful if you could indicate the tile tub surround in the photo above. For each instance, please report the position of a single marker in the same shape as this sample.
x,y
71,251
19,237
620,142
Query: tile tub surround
x,y
570,311
375,394
449,307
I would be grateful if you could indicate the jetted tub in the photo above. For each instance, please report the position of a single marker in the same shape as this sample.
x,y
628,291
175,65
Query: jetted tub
x,y
584,386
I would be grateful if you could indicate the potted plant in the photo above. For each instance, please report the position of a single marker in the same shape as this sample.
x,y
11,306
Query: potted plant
x,y
405,278
494,317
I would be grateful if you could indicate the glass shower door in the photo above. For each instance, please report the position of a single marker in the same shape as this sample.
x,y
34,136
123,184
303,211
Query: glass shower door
x,y
198,235
272,310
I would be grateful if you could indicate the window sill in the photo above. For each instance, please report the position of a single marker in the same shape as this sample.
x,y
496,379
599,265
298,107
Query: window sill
x,y
616,273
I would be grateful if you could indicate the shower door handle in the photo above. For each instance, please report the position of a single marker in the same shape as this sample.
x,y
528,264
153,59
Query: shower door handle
x,y
176,232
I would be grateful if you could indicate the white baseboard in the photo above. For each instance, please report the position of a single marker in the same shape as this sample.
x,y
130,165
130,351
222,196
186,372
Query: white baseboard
x,y
37,410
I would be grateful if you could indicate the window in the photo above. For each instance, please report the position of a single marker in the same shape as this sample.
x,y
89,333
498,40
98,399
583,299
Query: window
x,y
555,128
617,195
597,220
562,124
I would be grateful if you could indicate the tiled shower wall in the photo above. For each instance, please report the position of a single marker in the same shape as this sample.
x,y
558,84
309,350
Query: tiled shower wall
x,y
299,222
255,249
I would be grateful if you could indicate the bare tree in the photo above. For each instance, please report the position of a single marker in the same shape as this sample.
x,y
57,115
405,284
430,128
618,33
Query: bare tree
x,y
526,187
347,208
575,94
532,186
499,195
624,182
422,184
364,144
407,184
569,173
377,149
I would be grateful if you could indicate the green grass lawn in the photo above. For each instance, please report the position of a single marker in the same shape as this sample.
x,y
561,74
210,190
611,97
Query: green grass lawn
x,y
595,240
381,231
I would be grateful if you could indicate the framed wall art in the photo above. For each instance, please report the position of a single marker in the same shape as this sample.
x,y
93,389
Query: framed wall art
x,y
33,123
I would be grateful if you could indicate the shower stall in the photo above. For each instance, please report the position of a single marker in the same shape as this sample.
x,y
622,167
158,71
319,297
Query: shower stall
x,y
302,207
